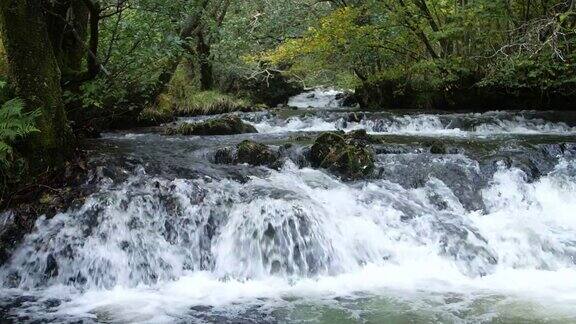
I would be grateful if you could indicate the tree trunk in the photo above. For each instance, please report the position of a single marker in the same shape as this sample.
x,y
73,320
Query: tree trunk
x,y
75,40
93,26
203,51
34,72
67,23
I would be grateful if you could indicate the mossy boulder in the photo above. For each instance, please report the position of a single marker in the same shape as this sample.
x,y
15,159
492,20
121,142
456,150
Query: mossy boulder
x,y
254,153
273,90
248,152
227,125
348,156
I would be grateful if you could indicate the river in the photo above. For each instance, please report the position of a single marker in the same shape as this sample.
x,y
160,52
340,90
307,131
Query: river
x,y
484,231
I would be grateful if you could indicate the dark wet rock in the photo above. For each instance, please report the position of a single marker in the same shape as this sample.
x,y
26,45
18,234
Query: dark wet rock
x,y
438,148
361,137
52,303
392,149
348,99
224,156
354,117
270,231
345,155
51,269
248,152
534,163
228,125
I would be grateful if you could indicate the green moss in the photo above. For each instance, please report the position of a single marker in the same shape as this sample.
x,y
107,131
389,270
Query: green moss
x,y
255,154
36,79
3,62
159,114
209,103
346,155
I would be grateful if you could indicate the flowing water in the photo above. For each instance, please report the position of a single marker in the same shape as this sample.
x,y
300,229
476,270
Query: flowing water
x,y
485,232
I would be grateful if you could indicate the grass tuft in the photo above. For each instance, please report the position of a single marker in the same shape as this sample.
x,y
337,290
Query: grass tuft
x,y
183,99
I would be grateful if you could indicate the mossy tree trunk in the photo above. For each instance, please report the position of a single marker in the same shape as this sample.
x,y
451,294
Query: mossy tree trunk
x,y
35,75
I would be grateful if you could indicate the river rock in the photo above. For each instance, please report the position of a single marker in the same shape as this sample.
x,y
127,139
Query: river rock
x,y
438,148
348,99
360,137
345,155
227,125
248,152
355,117
224,156
254,153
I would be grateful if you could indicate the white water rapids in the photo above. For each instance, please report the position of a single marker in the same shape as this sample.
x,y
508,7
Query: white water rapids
x,y
299,245
420,124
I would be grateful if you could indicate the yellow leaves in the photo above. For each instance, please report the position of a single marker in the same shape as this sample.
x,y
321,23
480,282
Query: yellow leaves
x,y
333,34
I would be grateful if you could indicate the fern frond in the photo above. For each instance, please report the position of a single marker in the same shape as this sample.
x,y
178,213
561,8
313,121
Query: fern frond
x,y
14,124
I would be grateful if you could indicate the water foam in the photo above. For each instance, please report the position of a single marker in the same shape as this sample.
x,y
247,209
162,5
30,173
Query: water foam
x,y
317,98
460,125
163,246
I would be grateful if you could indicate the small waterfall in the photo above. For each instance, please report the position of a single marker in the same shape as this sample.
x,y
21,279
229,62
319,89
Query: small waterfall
x,y
298,223
318,98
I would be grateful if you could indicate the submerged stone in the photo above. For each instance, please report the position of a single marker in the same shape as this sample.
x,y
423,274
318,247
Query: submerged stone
x,y
228,125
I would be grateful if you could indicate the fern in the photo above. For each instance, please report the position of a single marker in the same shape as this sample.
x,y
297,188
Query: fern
x,y
14,124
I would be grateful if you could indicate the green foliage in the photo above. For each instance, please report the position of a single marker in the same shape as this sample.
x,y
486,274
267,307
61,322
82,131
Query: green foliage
x,y
254,26
135,47
14,124
140,44
525,72
434,45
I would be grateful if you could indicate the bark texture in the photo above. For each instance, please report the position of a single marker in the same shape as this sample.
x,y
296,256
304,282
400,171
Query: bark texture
x,y
34,73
